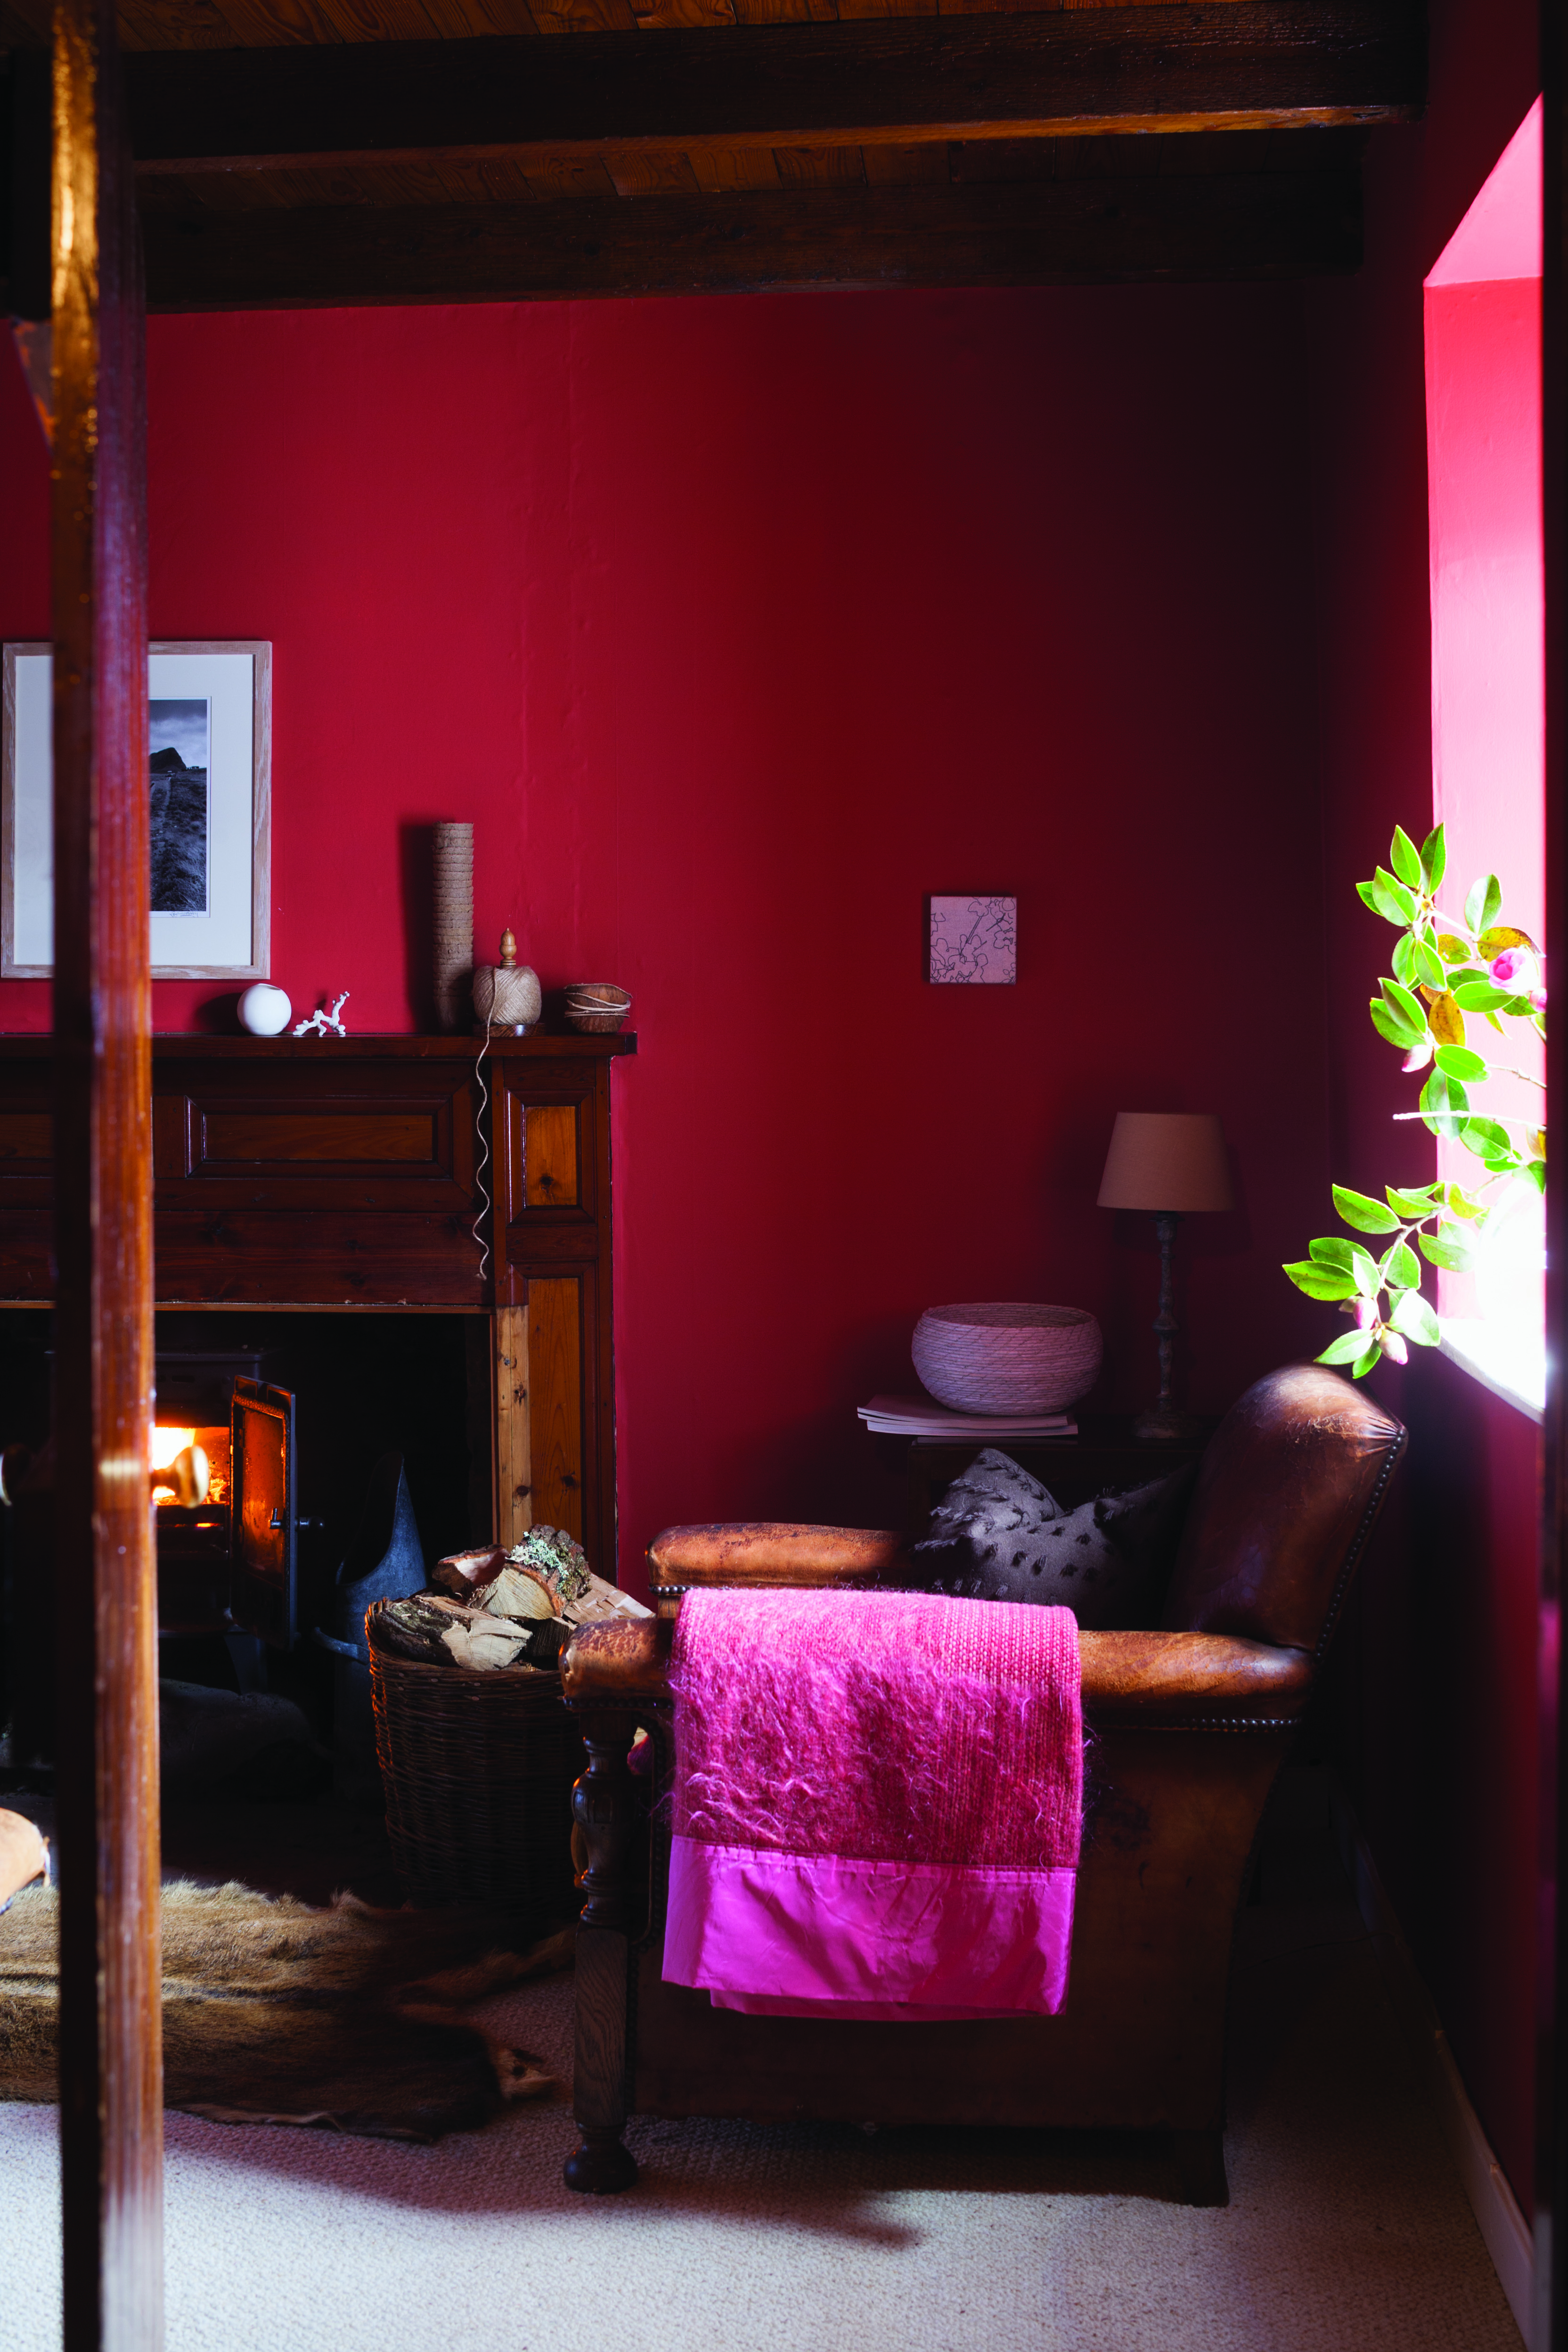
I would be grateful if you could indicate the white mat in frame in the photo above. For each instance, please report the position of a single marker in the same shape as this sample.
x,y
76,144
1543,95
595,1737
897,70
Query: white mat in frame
x,y
228,936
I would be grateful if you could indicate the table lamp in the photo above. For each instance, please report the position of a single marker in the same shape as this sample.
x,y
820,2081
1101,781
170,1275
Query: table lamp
x,y
1171,1163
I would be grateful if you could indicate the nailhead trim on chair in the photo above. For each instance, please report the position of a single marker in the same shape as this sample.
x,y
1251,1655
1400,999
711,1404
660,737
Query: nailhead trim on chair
x,y
1353,1557
1132,1721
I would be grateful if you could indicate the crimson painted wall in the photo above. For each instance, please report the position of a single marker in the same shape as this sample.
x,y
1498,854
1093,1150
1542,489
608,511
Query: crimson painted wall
x,y
737,626
1440,1661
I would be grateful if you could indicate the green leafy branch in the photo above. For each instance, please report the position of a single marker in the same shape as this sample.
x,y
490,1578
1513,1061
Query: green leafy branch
x,y
1444,968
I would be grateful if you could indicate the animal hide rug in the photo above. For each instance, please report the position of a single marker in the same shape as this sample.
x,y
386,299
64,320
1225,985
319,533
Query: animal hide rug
x,y
273,2012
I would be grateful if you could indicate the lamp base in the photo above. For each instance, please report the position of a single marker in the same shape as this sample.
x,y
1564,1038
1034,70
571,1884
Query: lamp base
x,y
1162,1424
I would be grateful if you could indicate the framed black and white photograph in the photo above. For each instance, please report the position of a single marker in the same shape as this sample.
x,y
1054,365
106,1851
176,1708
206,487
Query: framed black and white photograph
x,y
209,738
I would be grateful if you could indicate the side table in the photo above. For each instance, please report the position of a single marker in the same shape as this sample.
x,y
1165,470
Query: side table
x,y
1103,1458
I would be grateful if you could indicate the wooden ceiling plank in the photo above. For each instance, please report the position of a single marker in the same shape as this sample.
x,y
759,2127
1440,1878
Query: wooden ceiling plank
x,y
236,192
998,7
582,176
664,15
24,24
981,162
275,25
820,167
1216,64
1106,159
1266,224
892,167
785,12
504,184
581,18
301,190
469,20
379,20
175,25
717,170
637,174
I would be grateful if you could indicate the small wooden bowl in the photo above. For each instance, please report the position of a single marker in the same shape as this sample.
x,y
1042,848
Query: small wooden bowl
x,y
597,1005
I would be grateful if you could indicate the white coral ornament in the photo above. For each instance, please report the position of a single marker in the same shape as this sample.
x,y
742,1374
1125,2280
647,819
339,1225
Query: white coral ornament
x,y
324,1023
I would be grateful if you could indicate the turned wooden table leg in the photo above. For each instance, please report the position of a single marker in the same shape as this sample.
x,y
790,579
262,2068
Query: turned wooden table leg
x,y
604,1804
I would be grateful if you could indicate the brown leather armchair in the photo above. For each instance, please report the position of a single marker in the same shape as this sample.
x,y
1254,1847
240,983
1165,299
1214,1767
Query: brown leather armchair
x,y
1190,1725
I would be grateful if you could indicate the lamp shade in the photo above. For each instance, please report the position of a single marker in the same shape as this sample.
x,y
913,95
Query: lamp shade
x,y
1173,1159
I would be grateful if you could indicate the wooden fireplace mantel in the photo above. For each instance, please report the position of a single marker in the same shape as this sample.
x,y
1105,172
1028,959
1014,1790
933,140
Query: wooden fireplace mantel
x,y
336,1174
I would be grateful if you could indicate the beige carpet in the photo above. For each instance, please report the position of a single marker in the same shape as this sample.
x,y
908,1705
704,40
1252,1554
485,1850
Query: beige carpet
x,y
1347,2227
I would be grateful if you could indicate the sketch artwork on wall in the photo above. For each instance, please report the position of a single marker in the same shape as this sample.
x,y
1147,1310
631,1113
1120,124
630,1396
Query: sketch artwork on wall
x,y
209,735
973,941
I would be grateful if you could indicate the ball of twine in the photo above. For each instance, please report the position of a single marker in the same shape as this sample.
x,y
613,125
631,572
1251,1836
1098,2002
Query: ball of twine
x,y
596,1006
454,921
506,996
1007,1356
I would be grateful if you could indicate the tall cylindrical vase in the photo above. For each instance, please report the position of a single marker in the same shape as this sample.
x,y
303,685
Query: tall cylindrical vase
x,y
454,923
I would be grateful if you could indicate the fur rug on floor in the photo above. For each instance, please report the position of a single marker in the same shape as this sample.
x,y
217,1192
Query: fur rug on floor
x,y
274,2012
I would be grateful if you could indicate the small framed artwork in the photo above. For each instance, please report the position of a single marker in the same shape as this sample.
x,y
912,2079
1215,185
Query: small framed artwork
x,y
209,783
973,941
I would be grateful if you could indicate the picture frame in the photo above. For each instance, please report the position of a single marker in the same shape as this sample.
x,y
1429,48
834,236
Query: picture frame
x,y
210,781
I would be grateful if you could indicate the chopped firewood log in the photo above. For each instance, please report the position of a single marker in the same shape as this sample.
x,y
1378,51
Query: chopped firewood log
x,y
546,1641
600,1603
491,1649
408,1629
521,1592
467,1573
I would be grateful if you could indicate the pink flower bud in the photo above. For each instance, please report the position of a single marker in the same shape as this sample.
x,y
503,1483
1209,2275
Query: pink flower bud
x,y
1538,1000
1393,1346
1365,1314
1512,968
1418,1056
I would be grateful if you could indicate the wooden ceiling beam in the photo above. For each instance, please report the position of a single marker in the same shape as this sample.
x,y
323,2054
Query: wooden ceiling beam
x,y
1237,64
1263,225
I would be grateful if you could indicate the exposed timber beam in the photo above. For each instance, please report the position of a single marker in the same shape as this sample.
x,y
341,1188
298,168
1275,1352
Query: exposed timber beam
x,y
1267,225
1237,64
105,1581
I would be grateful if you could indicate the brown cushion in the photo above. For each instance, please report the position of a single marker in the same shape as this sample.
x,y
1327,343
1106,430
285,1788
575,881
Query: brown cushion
x,y
1287,1492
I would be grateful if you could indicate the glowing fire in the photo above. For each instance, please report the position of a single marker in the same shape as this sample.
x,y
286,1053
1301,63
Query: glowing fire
x,y
163,1445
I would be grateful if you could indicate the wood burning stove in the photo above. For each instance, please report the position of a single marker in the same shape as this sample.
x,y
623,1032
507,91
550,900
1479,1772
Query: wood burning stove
x,y
227,1554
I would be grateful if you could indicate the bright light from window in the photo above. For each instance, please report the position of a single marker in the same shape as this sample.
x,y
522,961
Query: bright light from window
x,y
1487,584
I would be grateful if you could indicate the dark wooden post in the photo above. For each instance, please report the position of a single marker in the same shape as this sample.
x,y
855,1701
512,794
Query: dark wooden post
x,y
604,1806
107,1748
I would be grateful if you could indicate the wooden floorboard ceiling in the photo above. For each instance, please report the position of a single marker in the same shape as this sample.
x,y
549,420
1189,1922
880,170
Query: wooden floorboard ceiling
x,y
299,152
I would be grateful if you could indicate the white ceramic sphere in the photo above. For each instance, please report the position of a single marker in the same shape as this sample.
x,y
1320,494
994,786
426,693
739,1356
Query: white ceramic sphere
x,y
265,1011
1007,1356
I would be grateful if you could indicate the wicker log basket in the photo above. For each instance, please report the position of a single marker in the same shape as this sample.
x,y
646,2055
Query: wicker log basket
x,y
478,1767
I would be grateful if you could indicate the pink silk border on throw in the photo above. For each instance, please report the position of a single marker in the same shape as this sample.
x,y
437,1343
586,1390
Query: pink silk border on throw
x,y
794,1935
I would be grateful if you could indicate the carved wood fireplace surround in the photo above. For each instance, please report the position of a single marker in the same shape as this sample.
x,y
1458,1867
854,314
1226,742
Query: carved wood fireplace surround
x,y
320,1174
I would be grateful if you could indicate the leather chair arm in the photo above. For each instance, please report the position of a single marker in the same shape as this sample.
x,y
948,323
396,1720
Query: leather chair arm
x,y
1147,1680
624,1658
1144,1680
765,1551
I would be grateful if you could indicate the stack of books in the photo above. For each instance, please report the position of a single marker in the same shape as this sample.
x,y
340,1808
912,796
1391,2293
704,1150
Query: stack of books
x,y
902,1416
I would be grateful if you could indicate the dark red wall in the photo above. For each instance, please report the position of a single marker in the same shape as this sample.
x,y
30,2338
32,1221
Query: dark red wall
x,y
737,626
1441,1660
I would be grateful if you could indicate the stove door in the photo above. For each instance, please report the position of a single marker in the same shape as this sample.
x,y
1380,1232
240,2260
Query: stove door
x,y
262,1592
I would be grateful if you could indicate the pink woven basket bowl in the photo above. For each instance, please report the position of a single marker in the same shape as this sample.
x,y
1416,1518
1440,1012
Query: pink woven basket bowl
x,y
1007,1357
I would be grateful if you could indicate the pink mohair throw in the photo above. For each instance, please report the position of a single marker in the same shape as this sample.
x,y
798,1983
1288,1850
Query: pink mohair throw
x,y
878,1801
